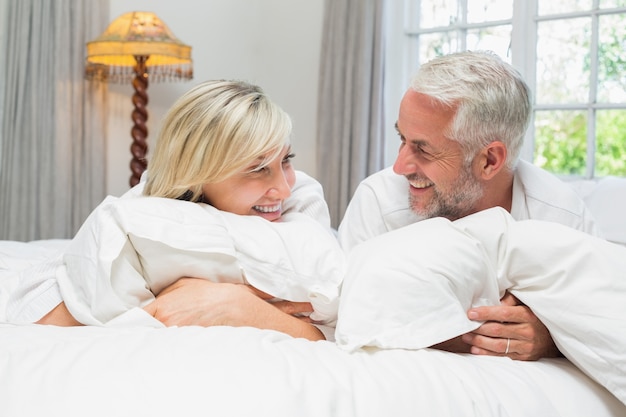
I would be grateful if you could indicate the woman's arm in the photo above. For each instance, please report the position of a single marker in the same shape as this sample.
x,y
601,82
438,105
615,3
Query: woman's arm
x,y
59,316
193,301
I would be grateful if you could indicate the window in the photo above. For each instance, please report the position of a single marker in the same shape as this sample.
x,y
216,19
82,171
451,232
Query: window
x,y
572,53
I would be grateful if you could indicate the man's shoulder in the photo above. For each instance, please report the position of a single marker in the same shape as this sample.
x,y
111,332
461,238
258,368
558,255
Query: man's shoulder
x,y
385,176
388,190
541,185
549,198
379,204
387,185
384,198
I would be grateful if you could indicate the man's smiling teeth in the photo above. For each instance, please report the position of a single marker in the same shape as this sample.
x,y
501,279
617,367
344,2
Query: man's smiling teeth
x,y
267,209
420,183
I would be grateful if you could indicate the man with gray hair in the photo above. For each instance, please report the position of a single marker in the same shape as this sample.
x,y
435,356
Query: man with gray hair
x,y
461,126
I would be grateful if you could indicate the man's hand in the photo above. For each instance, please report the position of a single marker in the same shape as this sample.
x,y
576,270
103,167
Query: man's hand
x,y
510,329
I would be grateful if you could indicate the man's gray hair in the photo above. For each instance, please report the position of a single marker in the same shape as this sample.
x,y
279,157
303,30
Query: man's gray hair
x,y
491,99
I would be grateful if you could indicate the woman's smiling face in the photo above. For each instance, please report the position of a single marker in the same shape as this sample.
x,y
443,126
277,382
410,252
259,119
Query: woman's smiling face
x,y
257,191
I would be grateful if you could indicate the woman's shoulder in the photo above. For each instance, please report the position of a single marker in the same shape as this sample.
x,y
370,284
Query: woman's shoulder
x,y
307,197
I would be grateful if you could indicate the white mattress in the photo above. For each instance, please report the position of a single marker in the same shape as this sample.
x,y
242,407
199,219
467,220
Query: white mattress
x,y
223,371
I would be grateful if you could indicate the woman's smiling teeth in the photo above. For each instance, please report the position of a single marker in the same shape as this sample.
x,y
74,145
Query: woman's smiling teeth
x,y
267,209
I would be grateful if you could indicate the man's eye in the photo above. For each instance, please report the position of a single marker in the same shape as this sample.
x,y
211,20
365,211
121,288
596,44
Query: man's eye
x,y
423,153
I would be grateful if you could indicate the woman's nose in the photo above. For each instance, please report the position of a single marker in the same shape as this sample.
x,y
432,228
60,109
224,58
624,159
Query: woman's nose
x,y
280,187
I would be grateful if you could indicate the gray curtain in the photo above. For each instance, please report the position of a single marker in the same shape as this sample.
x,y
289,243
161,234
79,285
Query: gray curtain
x,y
53,122
350,130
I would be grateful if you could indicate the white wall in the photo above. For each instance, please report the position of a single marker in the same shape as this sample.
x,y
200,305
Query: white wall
x,y
273,43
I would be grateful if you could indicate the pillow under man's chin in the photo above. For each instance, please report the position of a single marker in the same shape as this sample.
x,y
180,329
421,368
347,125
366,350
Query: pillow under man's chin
x,y
411,288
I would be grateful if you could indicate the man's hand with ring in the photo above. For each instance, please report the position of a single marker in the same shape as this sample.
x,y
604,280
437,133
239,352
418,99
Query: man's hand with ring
x,y
510,329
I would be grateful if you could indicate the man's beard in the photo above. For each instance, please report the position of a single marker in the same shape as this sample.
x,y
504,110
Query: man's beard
x,y
459,201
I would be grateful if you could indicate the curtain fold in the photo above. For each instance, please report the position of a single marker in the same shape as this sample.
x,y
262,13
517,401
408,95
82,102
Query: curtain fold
x,y
350,126
53,131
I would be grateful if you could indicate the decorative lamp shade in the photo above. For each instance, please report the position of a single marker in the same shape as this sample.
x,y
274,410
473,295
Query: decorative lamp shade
x,y
111,56
135,48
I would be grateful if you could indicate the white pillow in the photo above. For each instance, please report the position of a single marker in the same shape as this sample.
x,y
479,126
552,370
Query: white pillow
x,y
411,288
607,202
130,249
576,284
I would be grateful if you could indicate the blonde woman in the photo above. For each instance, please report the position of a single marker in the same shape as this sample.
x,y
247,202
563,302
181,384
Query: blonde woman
x,y
224,145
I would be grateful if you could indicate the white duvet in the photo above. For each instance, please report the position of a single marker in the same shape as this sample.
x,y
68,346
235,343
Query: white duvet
x,y
387,314
132,247
411,288
128,250
241,372
233,372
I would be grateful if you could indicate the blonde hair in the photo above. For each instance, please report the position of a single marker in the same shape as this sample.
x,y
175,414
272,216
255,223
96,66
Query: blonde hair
x,y
215,130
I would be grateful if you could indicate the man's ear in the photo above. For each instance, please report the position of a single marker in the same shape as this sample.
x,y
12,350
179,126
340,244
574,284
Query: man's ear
x,y
492,159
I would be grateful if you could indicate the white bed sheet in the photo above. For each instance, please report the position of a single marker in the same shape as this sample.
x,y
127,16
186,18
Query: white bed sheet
x,y
223,371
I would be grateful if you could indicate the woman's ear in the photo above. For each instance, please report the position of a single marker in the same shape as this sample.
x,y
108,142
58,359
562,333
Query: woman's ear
x,y
492,159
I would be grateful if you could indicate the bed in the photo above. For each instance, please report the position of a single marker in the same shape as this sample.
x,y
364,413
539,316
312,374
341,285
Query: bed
x,y
223,371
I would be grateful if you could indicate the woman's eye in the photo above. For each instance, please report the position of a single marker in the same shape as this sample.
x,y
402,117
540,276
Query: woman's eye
x,y
287,159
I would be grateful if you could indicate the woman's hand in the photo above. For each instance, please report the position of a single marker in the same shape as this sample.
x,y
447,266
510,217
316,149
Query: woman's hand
x,y
193,301
300,310
510,329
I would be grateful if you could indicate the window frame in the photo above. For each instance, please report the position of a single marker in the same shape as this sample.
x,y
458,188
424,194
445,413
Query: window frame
x,y
403,60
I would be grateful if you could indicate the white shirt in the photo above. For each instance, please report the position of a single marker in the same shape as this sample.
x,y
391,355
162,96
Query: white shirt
x,y
381,204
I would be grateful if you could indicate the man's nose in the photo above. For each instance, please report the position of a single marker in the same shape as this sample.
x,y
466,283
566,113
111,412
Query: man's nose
x,y
405,163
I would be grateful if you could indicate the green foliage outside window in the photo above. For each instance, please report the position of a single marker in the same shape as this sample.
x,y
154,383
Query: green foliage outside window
x,y
561,136
611,143
561,142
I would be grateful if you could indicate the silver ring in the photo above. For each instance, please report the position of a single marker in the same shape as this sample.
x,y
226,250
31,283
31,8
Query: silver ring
x,y
508,344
